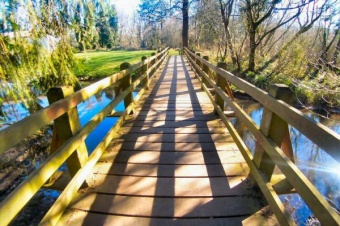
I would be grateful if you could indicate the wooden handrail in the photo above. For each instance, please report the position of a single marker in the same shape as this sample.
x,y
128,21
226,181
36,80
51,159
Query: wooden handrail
x,y
320,207
321,135
18,198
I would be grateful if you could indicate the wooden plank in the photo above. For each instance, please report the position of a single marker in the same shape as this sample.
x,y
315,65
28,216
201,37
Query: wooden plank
x,y
130,169
185,158
77,218
176,117
167,112
165,130
167,207
164,147
171,187
180,138
171,124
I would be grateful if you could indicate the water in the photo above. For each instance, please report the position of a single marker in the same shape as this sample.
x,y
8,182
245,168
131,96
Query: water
x,y
86,110
320,168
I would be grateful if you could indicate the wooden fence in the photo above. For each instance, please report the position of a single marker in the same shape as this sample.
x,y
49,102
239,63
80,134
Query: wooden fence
x,y
273,147
68,142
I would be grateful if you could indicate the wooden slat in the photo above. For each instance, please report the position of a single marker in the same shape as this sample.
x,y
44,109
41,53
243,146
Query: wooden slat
x,y
167,207
166,130
185,158
171,186
165,147
178,138
179,171
171,124
75,218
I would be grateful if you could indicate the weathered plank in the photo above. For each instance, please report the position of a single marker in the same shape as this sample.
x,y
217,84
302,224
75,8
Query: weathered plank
x,y
176,158
178,171
165,130
77,218
178,124
167,207
171,186
165,147
180,138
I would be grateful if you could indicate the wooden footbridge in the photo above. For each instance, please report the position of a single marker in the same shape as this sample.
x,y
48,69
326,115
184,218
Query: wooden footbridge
x,y
173,157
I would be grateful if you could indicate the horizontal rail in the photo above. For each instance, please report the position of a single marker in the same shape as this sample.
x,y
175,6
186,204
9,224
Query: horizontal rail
x,y
320,207
18,198
324,137
56,211
14,134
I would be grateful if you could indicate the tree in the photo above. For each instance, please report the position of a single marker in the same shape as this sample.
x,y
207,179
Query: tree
x,y
158,11
259,15
107,25
226,8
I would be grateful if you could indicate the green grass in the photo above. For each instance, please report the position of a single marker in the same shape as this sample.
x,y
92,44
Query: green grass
x,y
104,63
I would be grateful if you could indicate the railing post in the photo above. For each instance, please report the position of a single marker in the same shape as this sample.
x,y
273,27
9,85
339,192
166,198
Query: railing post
x,y
152,62
221,82
206,69
126,83
198,62
276,129
144,69
65,127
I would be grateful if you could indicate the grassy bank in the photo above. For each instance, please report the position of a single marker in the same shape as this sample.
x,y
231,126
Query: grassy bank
x,y
94,65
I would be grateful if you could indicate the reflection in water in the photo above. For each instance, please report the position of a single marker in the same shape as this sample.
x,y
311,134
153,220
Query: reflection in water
x,y
86,110
320,168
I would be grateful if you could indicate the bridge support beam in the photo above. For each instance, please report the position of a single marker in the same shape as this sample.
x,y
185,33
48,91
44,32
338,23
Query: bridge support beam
x,y
65,127
276,129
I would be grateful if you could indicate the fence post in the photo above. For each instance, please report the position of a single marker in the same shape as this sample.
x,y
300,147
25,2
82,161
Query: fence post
x,y
221,82
126,83
152,62
206,69
198,62
144,69
65,127
276,129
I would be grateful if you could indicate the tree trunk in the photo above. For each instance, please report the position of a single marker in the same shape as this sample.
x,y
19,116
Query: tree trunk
x,y
185,31
337,51
252,49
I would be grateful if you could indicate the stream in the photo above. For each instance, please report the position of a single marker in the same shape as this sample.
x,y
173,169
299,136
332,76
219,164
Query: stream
x,y
321,169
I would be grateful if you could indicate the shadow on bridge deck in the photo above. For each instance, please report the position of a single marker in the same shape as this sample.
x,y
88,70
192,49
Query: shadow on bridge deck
x,y
174,164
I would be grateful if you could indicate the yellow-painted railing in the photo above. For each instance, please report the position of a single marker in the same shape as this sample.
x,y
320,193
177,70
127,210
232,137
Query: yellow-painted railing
x,y
71,149
273,145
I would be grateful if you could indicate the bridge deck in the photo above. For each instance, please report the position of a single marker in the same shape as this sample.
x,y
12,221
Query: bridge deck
x,y
174,164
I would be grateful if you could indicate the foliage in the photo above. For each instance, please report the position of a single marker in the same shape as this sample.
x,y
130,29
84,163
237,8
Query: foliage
x,y
95,24
101,64
38,54
35,43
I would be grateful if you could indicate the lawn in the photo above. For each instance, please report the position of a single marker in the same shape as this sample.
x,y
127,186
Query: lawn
x,y
105,63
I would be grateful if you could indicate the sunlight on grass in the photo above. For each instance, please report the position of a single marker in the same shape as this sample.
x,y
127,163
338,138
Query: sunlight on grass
x,y
105,63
